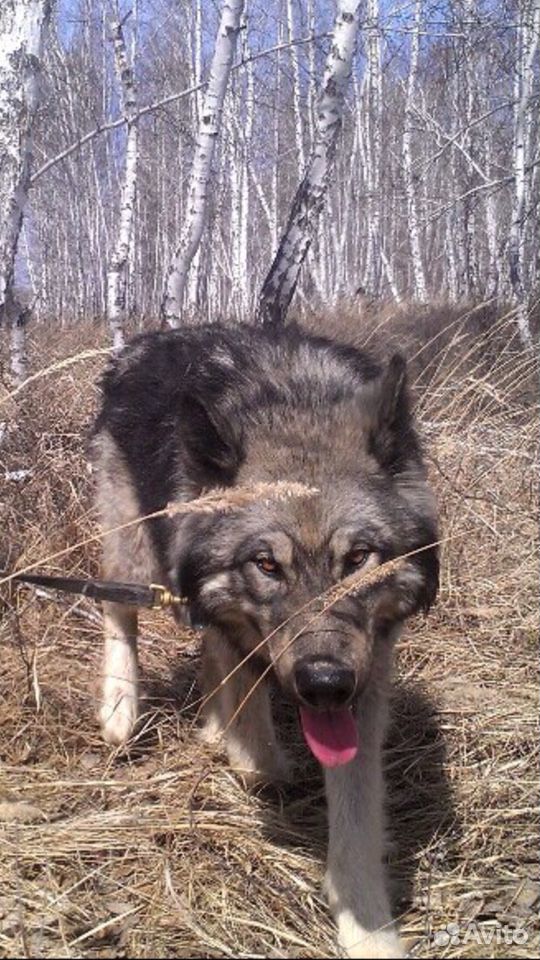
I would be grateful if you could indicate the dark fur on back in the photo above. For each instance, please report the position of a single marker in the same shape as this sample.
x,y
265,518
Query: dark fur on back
x,y
204,379
185,408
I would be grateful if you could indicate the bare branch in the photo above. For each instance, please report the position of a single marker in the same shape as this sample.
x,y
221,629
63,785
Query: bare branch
x,y
157,105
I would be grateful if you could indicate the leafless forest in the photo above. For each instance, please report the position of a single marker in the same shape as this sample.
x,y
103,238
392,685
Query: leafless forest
x,y
373,169
433,196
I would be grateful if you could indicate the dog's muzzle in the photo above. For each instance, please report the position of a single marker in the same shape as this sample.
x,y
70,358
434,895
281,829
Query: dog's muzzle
x,y
324,684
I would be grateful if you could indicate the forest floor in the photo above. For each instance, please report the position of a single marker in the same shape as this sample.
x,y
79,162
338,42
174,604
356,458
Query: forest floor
x,y
162,852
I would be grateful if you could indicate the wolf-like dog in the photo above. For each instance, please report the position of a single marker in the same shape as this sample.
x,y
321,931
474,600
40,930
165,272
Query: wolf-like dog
x,y
216,406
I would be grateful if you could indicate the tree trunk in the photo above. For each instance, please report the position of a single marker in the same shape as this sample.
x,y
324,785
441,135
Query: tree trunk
x,y
22,24
389,270
373,140
281,281
117,279
200,174
196,43
528,33
420,291
297,105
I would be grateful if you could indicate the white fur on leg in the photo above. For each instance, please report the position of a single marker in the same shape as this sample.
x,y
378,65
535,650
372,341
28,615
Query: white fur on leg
x,y
119,692
211,729
357,942
365,929
119,710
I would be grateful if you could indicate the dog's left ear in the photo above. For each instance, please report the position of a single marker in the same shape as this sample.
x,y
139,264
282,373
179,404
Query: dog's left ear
x,y
428,562
391,438
212,439
393,396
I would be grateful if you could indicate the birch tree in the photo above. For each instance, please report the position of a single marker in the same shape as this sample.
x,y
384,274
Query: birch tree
x,y
202,164
420,290
117,279
373,166
196,113
471,123
241,134
527,40
281,281
297,103
22,25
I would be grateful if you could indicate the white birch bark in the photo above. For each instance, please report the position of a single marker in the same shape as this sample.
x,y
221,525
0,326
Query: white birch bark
x,y
22,26
451,255
527,39
312,80
365,153
281,281
276,108
196,78
469,147
197,59
234,165
263,200
390,277
373,165
419,279
245,197
200,175
240,129
297,100
117,278
493,271
361,162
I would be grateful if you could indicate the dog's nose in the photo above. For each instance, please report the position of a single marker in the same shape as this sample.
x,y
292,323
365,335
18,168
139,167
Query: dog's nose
x,y
324,684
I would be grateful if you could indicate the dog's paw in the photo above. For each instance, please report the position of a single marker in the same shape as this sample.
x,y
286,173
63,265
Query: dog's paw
x,y
279,770
119,711
210,731
256,763
256,766
264,773
358,943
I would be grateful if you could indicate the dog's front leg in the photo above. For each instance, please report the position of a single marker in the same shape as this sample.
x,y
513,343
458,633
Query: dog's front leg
x,y
355,881
237,711
120,682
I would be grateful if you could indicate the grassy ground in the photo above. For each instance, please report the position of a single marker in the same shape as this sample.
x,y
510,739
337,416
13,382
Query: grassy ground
x,y
163,852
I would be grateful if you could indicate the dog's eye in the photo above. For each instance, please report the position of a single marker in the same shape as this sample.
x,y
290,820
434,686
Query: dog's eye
x,y
268,566
356,559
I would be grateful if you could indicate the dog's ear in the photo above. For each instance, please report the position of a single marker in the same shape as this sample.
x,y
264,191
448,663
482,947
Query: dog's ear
x,y
213,440
387,414
393,395
428,562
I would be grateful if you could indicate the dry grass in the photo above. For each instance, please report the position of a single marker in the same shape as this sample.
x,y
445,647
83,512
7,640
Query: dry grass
x,y
163,852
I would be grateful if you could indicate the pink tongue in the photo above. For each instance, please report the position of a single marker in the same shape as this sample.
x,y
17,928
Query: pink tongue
x,y
332,735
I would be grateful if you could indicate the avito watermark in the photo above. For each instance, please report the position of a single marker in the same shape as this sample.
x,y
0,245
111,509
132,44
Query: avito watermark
x,y
455,934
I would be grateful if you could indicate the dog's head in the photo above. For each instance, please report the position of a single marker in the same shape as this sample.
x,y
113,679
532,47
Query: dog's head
x,y
263,574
